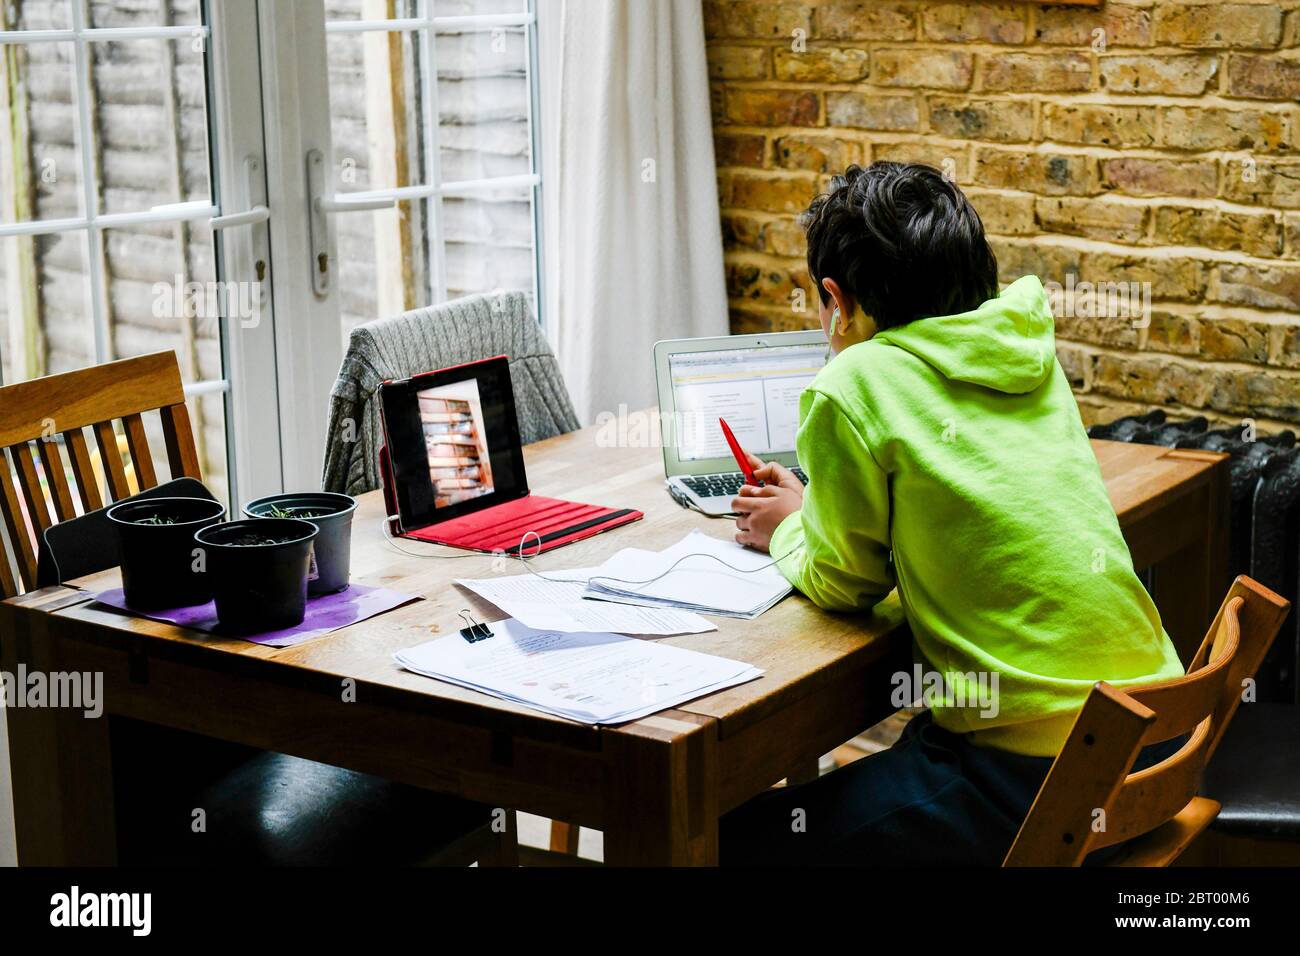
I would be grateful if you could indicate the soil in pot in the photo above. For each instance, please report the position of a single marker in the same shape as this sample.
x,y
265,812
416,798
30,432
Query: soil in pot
x,y
159,565
259,569
329,511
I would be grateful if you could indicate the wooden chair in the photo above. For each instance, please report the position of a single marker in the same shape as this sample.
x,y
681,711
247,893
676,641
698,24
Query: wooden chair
x,y
1090,800
323,829
38,412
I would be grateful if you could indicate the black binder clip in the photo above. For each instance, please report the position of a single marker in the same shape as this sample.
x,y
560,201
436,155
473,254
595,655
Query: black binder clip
x,y
477,631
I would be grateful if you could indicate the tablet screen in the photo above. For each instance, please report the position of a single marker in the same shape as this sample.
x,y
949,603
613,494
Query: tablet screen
x,y
453,441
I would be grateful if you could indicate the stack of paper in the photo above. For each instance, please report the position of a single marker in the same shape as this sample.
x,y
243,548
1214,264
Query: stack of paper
x,y
558,605
700,582
592,678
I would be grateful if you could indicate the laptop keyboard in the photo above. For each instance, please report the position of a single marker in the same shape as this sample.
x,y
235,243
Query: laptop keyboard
x,y
726,485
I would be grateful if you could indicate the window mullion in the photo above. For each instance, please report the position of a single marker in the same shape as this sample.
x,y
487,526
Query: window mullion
x,y
433,158
534,159
97,265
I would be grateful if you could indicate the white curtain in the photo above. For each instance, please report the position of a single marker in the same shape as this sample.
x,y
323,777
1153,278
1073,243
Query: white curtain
x,y
633,244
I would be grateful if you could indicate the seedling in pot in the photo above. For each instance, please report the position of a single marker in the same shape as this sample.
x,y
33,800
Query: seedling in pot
x,y
307,513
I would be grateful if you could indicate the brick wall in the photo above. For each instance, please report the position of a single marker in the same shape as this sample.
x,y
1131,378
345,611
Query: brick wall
x,y
1147,141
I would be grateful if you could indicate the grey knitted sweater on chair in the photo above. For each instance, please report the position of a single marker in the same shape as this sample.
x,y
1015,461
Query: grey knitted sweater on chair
x,y
464,330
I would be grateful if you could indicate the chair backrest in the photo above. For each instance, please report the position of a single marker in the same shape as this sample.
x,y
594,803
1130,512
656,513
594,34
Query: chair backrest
x,y
41,411
1090,800
452,333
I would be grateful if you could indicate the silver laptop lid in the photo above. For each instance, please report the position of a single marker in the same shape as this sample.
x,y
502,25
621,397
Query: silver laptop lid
x,y
753,381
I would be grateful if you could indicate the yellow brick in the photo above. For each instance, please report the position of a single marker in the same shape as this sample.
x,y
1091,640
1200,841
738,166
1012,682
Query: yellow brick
x,y
934,69
821,65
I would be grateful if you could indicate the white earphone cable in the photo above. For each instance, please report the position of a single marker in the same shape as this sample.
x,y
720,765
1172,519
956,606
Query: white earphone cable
x,y
524,560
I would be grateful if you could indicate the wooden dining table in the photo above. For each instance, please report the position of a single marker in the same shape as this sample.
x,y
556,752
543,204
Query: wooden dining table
x,y
656,786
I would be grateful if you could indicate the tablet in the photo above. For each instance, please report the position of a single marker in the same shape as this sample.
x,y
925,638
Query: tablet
x,y
453,442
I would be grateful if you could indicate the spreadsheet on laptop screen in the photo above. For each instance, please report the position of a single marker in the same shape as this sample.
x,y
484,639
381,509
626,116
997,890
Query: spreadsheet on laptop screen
x,y
755,389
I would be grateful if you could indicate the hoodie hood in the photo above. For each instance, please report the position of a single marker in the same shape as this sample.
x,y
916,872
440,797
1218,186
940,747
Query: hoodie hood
x,y
1006,344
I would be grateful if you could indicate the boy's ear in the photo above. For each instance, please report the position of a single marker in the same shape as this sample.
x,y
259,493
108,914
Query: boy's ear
x,y
843,303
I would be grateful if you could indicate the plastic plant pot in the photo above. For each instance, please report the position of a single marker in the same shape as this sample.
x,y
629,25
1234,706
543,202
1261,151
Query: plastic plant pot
x,y
329,511
259,570
157,547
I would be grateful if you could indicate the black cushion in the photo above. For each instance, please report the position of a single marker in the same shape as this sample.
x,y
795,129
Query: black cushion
x,y
1255,773
269,809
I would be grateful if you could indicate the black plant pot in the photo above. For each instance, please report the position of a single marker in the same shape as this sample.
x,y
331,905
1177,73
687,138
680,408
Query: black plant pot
x,y
332,513
158,560
259,572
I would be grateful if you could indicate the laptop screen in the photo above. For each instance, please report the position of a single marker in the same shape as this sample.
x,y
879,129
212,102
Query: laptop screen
x,y
755,389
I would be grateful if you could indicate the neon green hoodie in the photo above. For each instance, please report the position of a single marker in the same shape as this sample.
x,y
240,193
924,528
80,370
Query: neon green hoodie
x,y
947,457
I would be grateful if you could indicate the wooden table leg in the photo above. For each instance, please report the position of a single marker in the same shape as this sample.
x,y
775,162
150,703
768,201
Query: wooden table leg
x,y
661,792
1190,584
60,761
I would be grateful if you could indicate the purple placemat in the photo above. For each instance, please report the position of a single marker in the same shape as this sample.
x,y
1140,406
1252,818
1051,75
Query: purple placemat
x,y
326,613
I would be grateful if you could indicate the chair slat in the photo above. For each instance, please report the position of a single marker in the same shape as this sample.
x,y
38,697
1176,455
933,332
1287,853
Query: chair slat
x,y
182,458
141,459
1183,703
1261,618
56,477
8,583
82,470
111,457
30,485
20,537
1166,844
1149,798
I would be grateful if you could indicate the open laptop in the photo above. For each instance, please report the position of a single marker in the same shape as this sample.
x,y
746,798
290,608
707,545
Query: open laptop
x,y
754,382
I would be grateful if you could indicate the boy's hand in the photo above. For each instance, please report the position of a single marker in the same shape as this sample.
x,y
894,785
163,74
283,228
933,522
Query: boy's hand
x,y
774,473
760,510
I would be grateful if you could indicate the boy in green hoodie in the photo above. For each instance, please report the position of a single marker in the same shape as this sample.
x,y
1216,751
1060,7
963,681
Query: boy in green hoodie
x,y
946,457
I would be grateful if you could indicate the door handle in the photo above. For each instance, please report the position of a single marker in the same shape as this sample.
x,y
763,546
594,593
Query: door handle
x,y
323,203
249,217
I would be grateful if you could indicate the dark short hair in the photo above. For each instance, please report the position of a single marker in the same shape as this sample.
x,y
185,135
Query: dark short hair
x,y
902,240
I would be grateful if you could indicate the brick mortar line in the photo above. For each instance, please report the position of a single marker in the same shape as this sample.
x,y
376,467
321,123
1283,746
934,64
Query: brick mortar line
x,y
1184,310
1026,147
988,48
1067,98
1196,361
1201,254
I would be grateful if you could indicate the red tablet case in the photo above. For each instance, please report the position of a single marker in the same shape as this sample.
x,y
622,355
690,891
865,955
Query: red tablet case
x,y
502,527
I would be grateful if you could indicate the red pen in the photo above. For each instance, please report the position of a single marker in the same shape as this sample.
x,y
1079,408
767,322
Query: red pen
x,y
741,458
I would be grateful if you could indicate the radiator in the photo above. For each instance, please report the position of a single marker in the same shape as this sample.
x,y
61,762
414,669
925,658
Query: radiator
x,y
1264,539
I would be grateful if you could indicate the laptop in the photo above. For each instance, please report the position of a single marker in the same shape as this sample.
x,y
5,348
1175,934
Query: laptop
x,y
754,382
453,467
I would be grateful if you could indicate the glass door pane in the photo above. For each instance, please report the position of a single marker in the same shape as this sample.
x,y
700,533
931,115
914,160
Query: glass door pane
x,y
431,105
106,189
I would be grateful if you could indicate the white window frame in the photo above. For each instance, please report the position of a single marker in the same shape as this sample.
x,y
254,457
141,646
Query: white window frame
x,y
279,372
232,78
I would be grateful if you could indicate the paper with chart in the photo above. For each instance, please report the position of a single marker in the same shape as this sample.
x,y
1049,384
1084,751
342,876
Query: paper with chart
x,y
591,678
543,602
708,576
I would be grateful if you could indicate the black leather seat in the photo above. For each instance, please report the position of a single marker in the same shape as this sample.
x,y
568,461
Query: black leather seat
x,y
1255,773
268,809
